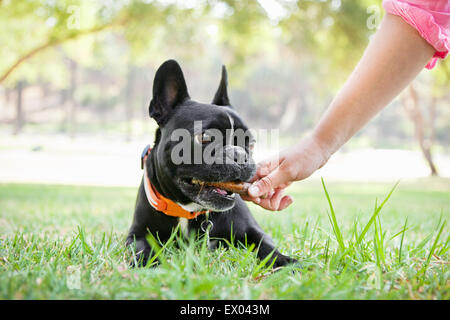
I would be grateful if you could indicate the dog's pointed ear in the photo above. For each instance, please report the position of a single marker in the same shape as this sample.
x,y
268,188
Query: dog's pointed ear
x,y
169,90
221,96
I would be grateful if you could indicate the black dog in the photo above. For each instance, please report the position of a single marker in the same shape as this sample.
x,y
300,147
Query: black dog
x,y
173,109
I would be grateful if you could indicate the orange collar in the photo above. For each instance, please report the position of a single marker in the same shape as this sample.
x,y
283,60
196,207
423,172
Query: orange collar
x,y
158,201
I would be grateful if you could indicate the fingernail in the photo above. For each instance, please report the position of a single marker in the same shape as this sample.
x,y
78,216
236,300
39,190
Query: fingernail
x,y
253,191
290,200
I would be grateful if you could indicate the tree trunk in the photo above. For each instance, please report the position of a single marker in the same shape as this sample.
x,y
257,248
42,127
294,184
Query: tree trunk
x,y
432,121
7,96
290,112
412,108
70,119
62,104
20,119
129,92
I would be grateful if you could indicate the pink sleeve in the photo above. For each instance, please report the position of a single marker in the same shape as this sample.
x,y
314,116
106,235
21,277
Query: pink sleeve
x,y
431,18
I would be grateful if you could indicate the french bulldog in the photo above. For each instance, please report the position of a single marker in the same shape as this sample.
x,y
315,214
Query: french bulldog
x,y
226,213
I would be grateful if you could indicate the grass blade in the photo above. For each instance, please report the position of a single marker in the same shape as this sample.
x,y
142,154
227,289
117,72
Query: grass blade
x,y
157,249
433,247
263,265
401,241
333,221
375,214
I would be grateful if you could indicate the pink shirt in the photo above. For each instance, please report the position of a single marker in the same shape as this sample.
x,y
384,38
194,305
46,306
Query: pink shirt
x,y
430,17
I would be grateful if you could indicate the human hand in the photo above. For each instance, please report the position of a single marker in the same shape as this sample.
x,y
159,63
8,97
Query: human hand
x,y
275,174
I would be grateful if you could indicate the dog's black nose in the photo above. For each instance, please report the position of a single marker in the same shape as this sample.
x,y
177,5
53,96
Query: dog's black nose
x,y
238,154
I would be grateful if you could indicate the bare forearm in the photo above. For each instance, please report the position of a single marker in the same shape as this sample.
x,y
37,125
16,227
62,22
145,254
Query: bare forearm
x,y
395,56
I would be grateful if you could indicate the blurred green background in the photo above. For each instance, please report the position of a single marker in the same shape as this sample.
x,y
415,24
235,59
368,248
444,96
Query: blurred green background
x,y
76,76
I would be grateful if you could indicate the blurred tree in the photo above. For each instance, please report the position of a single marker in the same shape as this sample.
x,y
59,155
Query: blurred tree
x,y
19,108
70,121
423,115
413,110
338,32
34,26
334,30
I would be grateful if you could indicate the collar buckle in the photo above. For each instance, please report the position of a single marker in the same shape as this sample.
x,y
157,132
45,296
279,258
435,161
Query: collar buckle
x,y
144,155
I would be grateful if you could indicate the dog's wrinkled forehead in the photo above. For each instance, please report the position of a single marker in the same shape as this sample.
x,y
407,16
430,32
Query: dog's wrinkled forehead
x,y
194,116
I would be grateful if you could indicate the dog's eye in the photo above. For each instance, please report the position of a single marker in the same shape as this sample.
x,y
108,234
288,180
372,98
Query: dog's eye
x,y
203,138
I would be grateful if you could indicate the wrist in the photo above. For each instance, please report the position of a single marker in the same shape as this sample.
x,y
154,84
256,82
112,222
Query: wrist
x,y
321,148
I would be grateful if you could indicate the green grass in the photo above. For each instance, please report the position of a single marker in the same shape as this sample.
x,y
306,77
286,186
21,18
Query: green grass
x,y
67,242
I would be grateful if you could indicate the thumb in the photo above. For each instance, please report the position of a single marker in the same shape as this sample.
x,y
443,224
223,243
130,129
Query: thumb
x,y
267,183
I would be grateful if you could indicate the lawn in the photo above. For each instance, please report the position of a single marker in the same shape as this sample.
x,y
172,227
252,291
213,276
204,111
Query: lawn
x,y
67,242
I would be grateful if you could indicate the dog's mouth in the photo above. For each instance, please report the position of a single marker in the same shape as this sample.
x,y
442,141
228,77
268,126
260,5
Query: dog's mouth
x,y
212,195
208,187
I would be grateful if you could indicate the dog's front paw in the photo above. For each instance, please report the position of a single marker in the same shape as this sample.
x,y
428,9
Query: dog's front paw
x,y
140,260
141,251
282,261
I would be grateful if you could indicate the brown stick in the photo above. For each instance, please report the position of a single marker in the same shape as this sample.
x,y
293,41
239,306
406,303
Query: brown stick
x,y
235,187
